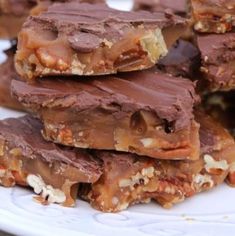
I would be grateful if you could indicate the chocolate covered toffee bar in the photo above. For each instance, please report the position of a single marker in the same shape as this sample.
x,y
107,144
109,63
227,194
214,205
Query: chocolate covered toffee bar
x,y
141,112
170,7
85,39
177,6
42,5
13,13
54,172
216,16
129,179
218,60
7,74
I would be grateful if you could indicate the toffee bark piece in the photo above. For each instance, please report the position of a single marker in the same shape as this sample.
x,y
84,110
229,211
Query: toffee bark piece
x,y
213,16
13,13
54,172
178,6
129,179
144,112
218,60
42,5
182,59
86,39
7,74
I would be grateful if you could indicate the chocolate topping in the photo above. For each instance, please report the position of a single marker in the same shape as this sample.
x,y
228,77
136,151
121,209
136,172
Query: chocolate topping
x,y
182,59
84,42
16,7
8,73
229,4
99,20
23,7
176,6
170,98
218,55
25,133
217,47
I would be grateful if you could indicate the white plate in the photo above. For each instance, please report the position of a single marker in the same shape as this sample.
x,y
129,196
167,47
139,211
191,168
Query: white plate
x,y
210,213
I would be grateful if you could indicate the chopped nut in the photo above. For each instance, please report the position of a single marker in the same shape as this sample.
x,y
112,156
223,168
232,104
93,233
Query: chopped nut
x,y
232,167
107,43
123,206
198,26
177,199
159,128
149,172
53,195
212,164
115,200
125,183
65,135
47,192
2,172
36,182
154,45
147,200
204,69
62,65
82,145
203,181
45,58
2,146
137,179
15,152
147,142
77,67
222,28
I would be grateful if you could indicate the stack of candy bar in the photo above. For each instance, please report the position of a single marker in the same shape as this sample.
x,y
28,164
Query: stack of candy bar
x,y
115,117
214,22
